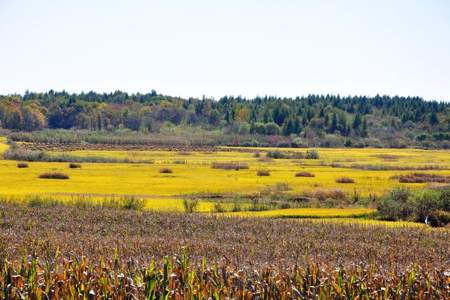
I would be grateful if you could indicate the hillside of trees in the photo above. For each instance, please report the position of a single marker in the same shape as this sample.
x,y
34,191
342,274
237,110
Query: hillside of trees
x,y
314,120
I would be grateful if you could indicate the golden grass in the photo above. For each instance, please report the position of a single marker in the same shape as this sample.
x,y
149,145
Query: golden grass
x,y
197,176
306,213
368,222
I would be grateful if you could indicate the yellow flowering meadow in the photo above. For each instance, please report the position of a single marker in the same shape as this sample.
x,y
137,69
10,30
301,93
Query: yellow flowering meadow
x,y
192,174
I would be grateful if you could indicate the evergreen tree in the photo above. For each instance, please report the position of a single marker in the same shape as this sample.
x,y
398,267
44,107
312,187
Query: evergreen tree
x,y
434,119
357,121
364,131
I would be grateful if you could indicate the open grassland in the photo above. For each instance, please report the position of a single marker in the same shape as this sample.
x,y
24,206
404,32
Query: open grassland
x,y
41,250
227,180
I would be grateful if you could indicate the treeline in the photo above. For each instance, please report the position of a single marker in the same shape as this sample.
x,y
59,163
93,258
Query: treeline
x,y
334,120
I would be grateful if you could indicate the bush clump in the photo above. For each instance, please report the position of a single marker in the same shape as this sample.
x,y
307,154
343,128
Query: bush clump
x,y
304,174
284,155
422,178
324,194
190,205
263,173
22,165
230,165
55,175
74,166
312,154
429,206
345,180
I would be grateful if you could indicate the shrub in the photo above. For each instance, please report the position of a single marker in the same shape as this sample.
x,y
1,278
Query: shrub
x,y
132,203
438,218
312,154
283,144
190,205
263,173
345,180
272,129
324,194
425,202
229,165
165,171
74,166
22,165
55,175
277,154
265,159
218,207
298,143
445,199
284,155
236,207
394,206
304,174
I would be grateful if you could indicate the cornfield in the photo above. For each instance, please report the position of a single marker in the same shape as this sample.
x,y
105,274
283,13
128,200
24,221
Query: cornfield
x,y
95,253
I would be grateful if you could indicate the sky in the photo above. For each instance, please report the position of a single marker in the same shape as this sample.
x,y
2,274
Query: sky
x,y
214,48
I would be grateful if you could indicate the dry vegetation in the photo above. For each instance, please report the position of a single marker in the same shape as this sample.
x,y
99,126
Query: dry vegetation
x,y
165,171
345,180
230,165
304,174
22,165
422,178
263,173
74,166
305,260
54,175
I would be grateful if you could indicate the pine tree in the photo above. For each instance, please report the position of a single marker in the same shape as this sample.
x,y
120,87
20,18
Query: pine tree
x,y
364,131
334,123
434,119
357,121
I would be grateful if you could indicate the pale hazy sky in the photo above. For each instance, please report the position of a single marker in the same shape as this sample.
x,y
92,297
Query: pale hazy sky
x,y
228,47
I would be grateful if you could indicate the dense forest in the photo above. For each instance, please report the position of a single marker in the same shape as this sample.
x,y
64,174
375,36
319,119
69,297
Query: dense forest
x,y
319,120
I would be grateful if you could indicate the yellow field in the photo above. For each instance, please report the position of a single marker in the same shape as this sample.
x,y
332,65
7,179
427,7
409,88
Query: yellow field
x,y
368,222
306,213
192,173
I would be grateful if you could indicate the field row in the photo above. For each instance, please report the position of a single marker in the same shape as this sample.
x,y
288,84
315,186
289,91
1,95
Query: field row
x,y
114,253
